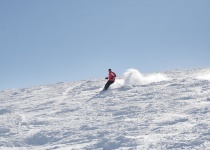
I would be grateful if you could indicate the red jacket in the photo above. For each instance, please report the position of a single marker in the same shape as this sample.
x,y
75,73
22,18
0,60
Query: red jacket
x,y
112,76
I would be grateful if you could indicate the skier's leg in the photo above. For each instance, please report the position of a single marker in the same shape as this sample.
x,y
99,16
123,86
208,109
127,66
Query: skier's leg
x,y
108,84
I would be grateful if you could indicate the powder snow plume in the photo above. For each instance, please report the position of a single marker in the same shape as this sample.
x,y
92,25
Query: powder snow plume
x,y
205,75
134,77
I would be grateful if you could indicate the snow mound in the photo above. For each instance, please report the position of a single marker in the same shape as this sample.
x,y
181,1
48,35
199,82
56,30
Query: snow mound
x,y
164,111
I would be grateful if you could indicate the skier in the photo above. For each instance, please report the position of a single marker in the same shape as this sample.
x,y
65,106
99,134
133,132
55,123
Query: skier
x,y
111,79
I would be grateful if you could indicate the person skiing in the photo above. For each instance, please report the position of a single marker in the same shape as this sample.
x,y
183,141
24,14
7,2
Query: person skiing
x,y
111,79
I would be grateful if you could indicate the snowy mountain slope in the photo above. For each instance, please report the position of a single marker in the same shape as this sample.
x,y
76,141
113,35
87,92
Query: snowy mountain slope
x,y
158,111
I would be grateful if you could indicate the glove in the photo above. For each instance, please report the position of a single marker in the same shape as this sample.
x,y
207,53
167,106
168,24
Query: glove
x,y
106,78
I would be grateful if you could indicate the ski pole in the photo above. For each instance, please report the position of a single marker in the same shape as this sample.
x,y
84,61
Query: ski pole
x,y
119,84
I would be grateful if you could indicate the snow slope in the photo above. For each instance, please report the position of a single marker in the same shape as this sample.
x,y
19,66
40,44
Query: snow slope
x,y
168,110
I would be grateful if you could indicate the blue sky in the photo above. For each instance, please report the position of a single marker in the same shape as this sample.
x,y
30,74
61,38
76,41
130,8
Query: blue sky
x,y
45,42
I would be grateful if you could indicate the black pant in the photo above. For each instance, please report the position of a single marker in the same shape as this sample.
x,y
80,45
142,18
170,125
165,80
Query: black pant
x,y
108,83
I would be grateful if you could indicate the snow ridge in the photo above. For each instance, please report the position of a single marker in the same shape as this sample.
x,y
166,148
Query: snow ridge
x,y
168,110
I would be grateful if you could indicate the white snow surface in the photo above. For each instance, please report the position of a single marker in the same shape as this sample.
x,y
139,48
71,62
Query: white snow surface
x,y
168,110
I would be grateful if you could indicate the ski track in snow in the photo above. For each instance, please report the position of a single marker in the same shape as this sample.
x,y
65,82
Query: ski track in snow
x,y
169,114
